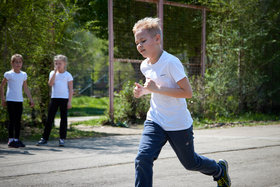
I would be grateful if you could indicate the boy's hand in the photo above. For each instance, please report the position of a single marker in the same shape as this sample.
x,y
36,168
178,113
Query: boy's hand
x,y
151,85
138,90
69,105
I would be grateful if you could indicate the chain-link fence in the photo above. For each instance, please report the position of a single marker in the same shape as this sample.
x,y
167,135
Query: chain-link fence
x,y
182,33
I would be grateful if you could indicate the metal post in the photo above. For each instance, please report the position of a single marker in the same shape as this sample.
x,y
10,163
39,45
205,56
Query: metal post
x,y
160,16
111,58
203,42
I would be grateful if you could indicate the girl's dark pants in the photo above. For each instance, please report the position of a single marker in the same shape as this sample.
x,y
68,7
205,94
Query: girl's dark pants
x,y
53,107
15,112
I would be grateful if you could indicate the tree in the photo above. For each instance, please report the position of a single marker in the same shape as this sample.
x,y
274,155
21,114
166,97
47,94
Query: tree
x,y
242,49
36,30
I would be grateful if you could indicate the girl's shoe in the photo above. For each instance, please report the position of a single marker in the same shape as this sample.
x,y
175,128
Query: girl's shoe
x,y
42,142
61,143
13,144
20,144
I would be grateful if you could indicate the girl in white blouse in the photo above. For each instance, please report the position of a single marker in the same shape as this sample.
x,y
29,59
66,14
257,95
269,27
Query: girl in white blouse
x,y
61,82
16,79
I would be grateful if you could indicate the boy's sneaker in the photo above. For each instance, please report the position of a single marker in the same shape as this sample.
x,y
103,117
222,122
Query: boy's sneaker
x,y
61,143
13,144
20,144
224,180
42,142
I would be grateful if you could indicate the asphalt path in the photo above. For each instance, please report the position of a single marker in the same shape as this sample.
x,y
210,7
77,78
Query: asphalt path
x,y
252,153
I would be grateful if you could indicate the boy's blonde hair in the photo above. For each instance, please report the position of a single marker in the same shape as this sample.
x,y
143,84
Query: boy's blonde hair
x,y
13,58
150,24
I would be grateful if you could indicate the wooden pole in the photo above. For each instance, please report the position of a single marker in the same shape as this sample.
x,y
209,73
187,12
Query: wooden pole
x,y
203,42
111,59
160,16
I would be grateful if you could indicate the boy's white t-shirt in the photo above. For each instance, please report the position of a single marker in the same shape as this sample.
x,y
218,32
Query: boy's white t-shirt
x,y
60,87
170,113
15,82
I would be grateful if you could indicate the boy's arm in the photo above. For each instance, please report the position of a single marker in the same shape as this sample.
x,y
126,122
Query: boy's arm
x,y
3,83
70,86
139,90
27,92
185,90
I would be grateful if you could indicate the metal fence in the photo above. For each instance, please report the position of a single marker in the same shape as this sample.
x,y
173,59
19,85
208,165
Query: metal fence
x,y
180,24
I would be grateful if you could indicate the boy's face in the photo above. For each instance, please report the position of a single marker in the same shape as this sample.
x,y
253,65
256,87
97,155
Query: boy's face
x,y
146,44
17,64
59,65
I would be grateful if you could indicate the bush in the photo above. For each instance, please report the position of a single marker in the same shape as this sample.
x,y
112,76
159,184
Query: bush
x,y
3,115
129,109
3,132
212,98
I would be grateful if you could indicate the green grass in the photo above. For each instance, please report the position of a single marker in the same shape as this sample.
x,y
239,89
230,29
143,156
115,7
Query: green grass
x,y
88,106
247,119
92,122
34,134
81,106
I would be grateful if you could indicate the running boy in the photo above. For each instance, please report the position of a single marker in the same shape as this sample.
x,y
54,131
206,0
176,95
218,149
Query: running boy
x,y
16,79
168,118
61,82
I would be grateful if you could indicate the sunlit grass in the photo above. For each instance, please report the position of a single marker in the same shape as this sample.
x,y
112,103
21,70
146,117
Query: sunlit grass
x,y
34,134
247,119
92,122
88,106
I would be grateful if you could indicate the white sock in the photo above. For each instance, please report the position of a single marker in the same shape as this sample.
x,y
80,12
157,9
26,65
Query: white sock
x,y
219,174
11,139
16,140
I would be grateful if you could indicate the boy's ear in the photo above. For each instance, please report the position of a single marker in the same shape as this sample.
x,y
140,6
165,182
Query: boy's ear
x,y
158,38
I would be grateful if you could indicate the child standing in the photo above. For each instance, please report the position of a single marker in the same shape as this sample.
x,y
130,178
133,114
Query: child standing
x,y
61,82
168,118
16,79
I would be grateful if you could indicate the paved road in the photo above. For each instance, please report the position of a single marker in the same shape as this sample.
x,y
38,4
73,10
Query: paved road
x,y
252,152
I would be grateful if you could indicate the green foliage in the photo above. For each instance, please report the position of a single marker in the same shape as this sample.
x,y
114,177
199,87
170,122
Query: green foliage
x,y
88,106
36,30
34,134
93,16
75,133
3,115
124,72
246,119
211,98
85,101
3,133
88,58
242,52
93,122
129,109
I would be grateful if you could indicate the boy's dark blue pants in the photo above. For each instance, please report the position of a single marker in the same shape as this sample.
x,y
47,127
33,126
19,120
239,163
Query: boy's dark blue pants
x,y
53,107
152,141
